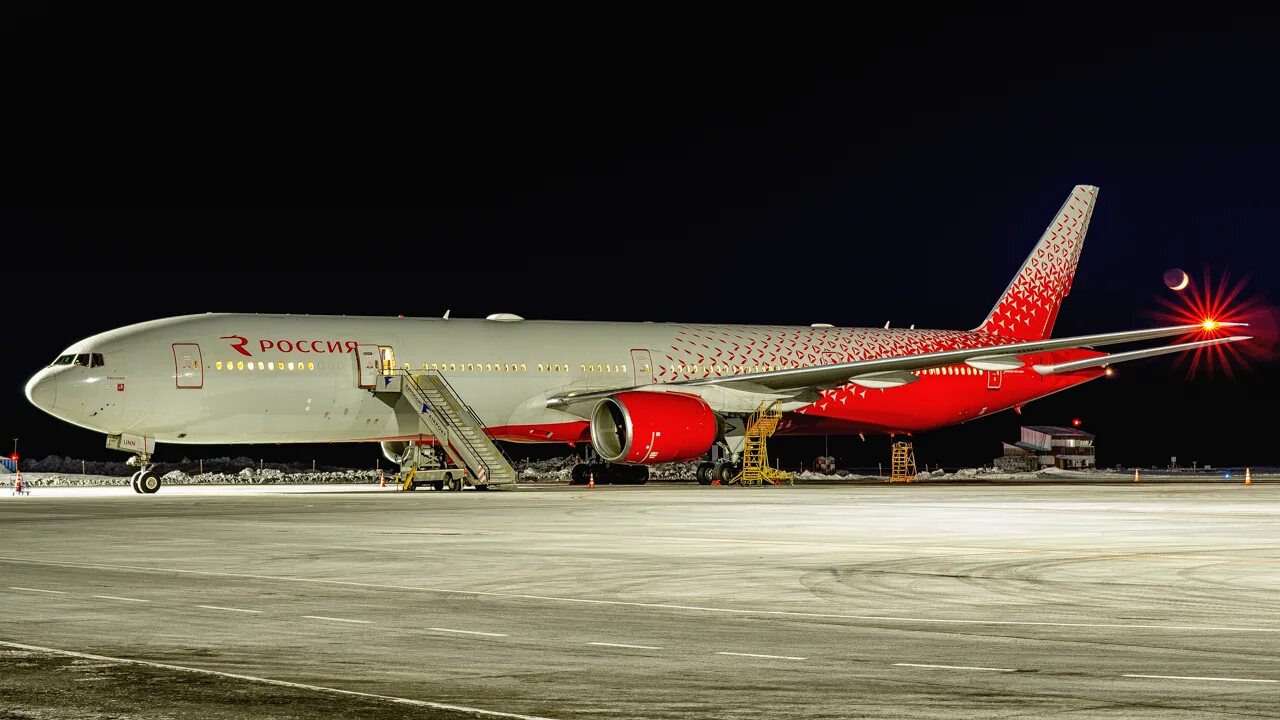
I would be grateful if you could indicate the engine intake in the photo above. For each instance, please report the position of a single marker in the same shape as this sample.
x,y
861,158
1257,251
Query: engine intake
x,y
642,428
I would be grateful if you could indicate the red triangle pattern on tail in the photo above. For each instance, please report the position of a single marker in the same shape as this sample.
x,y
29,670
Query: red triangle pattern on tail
x,y
1030,304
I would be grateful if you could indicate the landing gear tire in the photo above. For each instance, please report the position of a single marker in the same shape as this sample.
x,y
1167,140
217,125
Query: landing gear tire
x,y
480,487
437,485
149,481
455,482
724,472
704,473
578,475
602,474
133,482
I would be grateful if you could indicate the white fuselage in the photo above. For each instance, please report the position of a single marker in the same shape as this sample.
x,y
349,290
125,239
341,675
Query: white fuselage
x,y
232,378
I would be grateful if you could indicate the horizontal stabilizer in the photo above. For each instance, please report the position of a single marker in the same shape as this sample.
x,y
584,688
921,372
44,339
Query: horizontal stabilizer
x,y
1107,360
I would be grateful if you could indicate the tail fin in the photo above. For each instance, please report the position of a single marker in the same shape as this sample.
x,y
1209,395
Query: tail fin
x,y
1030,304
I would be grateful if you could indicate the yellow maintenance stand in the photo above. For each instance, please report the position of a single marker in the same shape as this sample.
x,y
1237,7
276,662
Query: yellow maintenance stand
x,y
755,456
903,463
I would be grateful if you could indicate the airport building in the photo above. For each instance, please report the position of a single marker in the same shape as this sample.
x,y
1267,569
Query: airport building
x,y
1043,446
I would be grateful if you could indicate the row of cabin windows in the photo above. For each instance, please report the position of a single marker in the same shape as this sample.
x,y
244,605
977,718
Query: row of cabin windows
x,y
728,369
958,370
524,367
96,361
268,365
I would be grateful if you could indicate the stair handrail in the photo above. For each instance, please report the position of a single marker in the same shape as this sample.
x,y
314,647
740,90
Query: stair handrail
x,y
474,417
475,453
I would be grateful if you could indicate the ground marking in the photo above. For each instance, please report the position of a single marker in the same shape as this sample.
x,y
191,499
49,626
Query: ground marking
x,y
228,609
125,599
282,683
624,645
771,657
468,632
955,667
653,606
51,592
334,619
1193,677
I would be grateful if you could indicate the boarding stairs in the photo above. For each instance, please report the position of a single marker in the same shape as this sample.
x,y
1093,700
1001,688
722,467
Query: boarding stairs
x,y
755,453
454,425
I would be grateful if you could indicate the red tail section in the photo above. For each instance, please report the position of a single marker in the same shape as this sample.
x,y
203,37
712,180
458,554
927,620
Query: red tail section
x,y
1029,306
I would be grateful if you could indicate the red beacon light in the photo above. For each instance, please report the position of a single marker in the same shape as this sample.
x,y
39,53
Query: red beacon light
x,y
1075,422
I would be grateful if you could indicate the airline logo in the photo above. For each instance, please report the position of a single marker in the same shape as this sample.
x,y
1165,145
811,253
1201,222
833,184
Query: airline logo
x,y
241,344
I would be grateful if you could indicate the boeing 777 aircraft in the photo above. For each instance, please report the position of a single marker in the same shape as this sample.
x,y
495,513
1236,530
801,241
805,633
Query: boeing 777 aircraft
x,y
640,393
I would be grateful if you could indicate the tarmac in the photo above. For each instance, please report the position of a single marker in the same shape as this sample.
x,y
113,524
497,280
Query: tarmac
x,y
675,601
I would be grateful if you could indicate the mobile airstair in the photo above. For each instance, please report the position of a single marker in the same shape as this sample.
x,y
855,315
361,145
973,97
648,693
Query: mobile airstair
x,y
453,425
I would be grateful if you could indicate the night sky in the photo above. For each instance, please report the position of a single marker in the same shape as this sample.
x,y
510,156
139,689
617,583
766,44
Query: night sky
x,y
736,168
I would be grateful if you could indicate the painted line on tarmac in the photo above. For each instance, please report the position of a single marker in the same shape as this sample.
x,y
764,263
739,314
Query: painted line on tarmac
x,y
334,619
624,645
1193,677
955,667
281,683
756,655
27,589
116,597
468,632
652,606
229,609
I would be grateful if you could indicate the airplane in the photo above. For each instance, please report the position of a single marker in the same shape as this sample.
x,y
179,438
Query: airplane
x,y
639,393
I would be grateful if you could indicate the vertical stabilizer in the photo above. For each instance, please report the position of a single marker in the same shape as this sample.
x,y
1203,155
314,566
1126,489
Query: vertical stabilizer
x,y
1030,304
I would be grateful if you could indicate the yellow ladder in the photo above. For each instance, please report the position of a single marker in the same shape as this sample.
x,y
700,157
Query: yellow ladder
x,y
755,454
408,479
903,463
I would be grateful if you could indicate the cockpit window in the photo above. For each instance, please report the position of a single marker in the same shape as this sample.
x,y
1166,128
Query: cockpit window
x,y
82,359
63,360
95,360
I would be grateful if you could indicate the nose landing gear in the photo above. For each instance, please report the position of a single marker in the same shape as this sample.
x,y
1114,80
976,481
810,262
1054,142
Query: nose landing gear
x,y
147,480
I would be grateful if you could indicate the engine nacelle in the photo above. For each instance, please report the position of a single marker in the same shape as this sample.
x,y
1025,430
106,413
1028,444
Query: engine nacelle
x,y
642,428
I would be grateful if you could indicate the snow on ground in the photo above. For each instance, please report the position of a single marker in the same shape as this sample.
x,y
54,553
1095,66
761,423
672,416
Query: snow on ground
x,y
557,470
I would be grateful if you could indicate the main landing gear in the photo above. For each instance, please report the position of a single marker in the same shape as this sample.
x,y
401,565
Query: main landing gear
x,y
722,470
606,473
146,480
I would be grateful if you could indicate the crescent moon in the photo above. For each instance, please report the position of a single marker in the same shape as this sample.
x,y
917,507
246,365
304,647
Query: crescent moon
x,y
1182,285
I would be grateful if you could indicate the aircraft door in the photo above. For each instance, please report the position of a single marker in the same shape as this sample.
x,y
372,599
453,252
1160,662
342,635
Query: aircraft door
x,y
188,366
642,367
369,363
388,356
994,379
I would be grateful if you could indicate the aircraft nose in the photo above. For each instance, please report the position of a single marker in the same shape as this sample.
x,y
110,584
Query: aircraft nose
x,y
42,390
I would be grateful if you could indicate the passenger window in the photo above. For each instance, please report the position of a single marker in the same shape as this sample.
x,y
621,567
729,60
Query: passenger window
x,y
523,367
218,365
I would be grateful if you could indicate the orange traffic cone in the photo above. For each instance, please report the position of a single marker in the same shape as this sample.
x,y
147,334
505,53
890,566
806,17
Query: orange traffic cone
x,y
382,476
715,482
1136,477
591,480
1248,477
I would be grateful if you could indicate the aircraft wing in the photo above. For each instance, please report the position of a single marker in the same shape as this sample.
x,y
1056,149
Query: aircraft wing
x,y
895,371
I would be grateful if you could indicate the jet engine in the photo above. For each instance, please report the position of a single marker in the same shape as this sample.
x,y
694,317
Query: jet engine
x,y
642,428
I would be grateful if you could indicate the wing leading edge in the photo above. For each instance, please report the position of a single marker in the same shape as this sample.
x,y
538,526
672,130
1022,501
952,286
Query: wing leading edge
x,y
894,371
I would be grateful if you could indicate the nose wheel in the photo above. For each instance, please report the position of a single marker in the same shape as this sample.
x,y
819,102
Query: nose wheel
x,y
145,481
